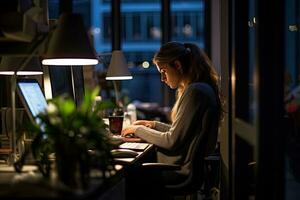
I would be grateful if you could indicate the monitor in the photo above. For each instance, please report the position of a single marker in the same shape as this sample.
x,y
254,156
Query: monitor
x,y
32,97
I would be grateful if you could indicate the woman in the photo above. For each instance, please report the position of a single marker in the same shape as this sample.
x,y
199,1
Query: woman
x,y
185,67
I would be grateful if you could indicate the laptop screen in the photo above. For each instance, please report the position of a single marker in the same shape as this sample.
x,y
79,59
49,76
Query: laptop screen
x,y
32,97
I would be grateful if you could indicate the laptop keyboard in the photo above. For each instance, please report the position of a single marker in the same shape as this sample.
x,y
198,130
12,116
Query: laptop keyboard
x,y
134,145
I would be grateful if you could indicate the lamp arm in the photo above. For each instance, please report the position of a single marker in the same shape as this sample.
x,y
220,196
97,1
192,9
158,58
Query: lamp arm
x,y
34,51
116,92
13,138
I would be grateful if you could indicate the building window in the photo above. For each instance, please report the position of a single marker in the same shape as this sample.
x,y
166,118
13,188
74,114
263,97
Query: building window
x,y
141,38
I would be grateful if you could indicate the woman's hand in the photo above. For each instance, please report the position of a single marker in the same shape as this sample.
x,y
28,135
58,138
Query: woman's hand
x,y
129,130
147,123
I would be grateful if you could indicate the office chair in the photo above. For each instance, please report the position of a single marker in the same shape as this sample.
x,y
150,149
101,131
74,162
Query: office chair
x,y
205,144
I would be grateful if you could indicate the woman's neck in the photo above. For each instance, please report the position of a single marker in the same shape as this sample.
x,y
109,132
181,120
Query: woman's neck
x,y
182,86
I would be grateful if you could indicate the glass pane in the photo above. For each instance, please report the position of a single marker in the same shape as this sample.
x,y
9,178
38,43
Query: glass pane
x,y
101,26
188,19
244,48
252,28
292,99
141,36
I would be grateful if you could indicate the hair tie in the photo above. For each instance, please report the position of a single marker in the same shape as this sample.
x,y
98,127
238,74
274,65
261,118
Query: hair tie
x,y
188,50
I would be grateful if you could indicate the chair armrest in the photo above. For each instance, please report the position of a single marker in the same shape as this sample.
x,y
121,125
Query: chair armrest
x,y
212,157
161,166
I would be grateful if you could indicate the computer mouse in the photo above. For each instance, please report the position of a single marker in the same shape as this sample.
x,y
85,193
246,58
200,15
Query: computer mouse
x,y
124,153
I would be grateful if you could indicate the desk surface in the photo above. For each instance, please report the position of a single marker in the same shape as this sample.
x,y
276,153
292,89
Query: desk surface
x,y
140,155
31,184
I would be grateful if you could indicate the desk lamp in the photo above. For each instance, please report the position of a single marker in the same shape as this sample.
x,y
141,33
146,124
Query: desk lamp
x,y
18,66
69,45
117,70
11,64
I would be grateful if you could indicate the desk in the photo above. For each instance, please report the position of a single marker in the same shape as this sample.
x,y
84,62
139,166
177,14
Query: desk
x,y
34,186
148,152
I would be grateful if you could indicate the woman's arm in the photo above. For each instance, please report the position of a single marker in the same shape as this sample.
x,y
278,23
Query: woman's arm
x,y
159,126
153,125
188,120
191,107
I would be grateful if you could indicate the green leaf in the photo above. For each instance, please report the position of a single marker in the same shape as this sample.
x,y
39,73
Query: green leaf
x,y
66,107
71,130
88,101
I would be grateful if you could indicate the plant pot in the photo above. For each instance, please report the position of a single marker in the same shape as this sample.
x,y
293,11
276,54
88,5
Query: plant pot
x,y
67,169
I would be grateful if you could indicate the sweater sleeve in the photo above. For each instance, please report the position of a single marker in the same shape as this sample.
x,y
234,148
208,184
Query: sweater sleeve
x,y
160,126
188,112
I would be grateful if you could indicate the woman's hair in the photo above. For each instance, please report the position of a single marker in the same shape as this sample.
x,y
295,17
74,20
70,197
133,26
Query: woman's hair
x,y
196,66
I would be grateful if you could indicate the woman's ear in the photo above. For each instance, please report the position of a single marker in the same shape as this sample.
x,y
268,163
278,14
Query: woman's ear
x,y
178,66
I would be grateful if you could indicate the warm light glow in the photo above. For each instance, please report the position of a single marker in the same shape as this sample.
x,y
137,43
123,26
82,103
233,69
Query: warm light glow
x,y
24,73
145,64
70,61
21,73
112,78
7,73
47,87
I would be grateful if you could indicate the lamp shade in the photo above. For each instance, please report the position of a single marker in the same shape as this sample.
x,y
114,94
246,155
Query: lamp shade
x,y
118,69
69,43
11,64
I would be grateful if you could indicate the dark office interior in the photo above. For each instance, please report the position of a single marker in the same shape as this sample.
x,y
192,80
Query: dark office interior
x,y
254,46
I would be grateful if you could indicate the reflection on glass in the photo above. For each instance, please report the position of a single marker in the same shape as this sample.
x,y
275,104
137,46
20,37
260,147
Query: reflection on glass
x,y
188,19
292,100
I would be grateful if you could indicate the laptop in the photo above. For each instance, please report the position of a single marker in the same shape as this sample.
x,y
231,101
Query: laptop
x,y
32,98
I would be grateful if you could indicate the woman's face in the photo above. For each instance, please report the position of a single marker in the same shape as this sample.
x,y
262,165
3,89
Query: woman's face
x,y
170,75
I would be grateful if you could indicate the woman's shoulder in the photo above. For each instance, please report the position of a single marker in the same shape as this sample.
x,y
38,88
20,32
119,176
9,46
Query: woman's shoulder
x,y
200,90
200,87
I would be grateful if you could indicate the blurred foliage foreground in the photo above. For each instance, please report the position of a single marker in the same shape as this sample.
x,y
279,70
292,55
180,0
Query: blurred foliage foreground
x,y
71,141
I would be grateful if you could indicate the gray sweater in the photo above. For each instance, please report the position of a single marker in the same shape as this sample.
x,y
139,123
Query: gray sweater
x,y
173,141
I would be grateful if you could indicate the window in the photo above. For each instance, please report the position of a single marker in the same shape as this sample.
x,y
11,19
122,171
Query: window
x,y
141,38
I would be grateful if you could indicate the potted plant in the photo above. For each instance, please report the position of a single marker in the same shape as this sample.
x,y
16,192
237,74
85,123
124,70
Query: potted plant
x,y
77,136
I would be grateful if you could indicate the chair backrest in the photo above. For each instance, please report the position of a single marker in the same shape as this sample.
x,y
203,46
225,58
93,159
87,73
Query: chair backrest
x,y
204,145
